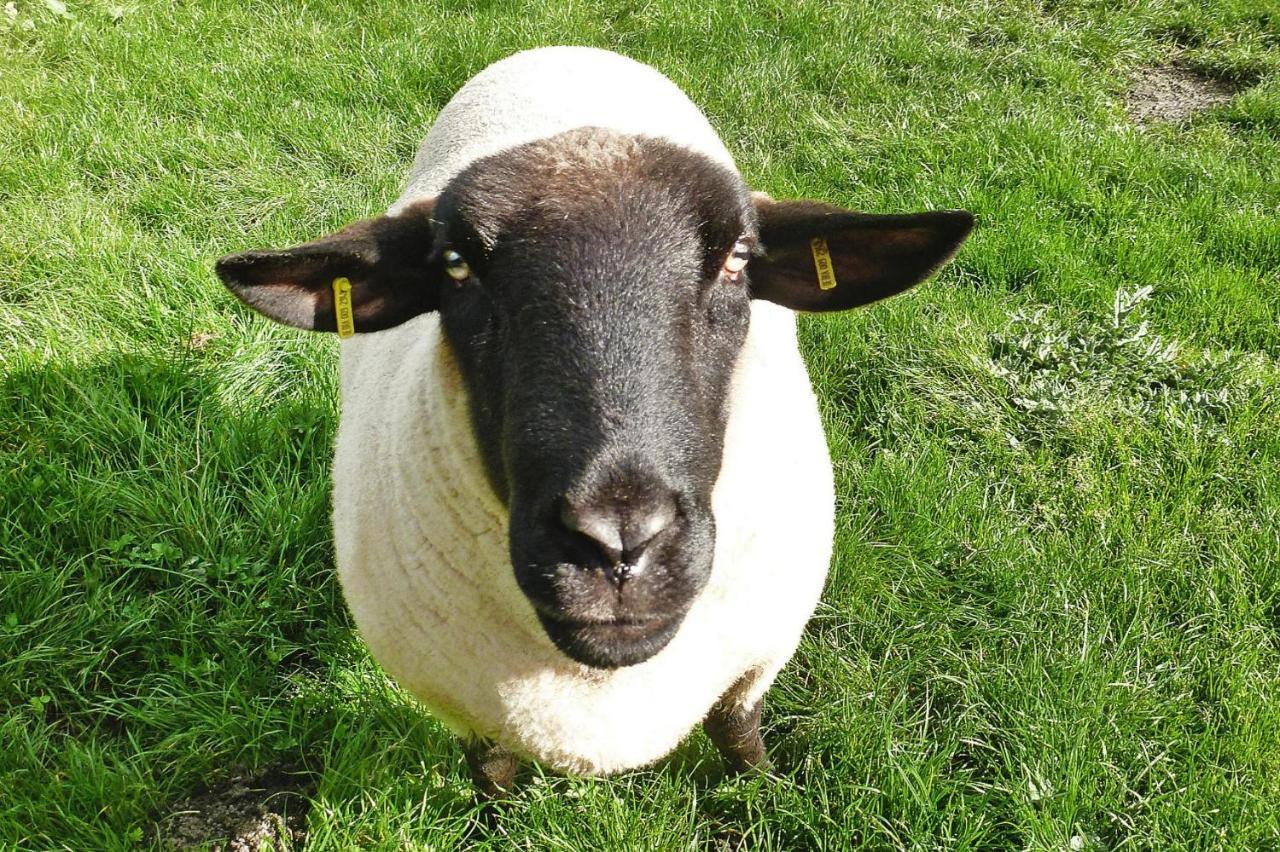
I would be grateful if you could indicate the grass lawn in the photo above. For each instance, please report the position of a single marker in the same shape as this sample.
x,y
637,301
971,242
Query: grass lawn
x,y
1053,619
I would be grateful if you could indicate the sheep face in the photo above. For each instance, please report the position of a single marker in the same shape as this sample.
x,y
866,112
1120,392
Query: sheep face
x,y
597,325
596,293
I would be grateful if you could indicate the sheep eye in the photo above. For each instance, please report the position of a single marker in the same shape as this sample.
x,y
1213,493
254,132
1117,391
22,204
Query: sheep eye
x,y
737,259
455,266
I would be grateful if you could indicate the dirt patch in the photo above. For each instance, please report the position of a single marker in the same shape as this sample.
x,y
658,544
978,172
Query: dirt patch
x,y
1173,93
201,339
243,814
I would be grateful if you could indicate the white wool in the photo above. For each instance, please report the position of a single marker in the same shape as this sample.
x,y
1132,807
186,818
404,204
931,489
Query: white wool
x,y
540,93
422,540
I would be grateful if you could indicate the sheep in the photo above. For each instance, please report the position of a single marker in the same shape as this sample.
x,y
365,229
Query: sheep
x,y
582,499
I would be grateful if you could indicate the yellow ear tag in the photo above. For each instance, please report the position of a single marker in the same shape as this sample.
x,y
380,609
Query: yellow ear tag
x,y
822,263
342,307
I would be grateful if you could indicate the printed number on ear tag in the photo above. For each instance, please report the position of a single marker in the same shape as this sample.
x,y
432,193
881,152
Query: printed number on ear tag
x,y
342,307
822,263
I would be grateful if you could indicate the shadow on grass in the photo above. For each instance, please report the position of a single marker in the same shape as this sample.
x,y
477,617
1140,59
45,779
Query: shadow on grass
x,y
167,580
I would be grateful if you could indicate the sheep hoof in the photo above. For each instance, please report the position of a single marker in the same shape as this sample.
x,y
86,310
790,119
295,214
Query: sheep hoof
x,y
493,770
735,731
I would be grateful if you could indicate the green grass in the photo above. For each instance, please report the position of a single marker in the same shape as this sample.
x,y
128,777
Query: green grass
x,y
1053,620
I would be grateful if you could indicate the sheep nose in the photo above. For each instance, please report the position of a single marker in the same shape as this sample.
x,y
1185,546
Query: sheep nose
x,y
621,532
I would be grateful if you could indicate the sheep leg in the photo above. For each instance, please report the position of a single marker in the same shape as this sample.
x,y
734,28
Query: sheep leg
x,y
735,730
493,768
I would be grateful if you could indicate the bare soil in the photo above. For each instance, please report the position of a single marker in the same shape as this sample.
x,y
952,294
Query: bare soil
x,y
242,814
1172,93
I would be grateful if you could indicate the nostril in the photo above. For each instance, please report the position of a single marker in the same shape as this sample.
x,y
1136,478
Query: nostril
x,y
644,526
600,526
621,531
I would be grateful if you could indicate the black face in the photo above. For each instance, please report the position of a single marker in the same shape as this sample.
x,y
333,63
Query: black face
x,y
597,328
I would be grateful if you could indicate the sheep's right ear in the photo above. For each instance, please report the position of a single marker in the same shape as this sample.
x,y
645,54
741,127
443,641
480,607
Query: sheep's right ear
x,y
384,258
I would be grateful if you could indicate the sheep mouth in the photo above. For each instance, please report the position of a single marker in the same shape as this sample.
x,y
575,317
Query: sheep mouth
x,y
610,644
605,624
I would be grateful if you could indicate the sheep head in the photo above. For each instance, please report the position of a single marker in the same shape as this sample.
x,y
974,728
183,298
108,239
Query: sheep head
x,y
596,291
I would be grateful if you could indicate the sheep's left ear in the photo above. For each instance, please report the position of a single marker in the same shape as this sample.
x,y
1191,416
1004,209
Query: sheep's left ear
x,y
385,260
819,257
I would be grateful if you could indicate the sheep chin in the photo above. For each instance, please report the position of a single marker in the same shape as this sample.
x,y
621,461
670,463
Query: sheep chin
x,y
611,644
